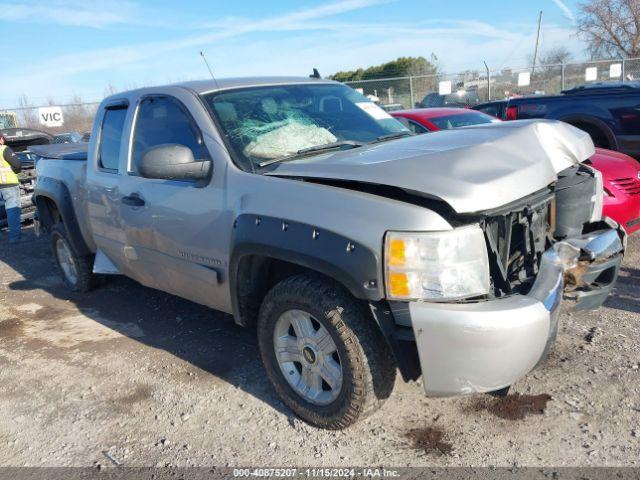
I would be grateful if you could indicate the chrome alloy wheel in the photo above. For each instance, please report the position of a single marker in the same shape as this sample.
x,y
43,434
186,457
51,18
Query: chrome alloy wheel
x,y
308,357
66,262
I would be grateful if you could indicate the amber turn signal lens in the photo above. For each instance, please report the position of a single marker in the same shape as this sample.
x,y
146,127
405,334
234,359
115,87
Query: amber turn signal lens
x,y
399,284
397,256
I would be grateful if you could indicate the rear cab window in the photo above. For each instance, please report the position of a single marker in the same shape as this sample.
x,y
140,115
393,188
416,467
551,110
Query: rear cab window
x,y
493,109
531,110
111,130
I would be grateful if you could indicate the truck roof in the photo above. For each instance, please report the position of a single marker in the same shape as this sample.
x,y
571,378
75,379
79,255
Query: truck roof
x,y
608,85
205,86
211,85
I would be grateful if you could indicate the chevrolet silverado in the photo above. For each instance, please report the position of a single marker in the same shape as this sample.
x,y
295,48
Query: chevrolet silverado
x,y
354,248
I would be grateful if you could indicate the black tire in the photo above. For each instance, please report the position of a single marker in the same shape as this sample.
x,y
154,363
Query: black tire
x,y
85,279
368,366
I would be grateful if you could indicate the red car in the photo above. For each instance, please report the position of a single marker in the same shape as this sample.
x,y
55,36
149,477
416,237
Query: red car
x,y
423,120
621,179
620,172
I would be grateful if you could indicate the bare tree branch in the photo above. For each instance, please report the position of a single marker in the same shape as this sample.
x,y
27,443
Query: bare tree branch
x,y
610,27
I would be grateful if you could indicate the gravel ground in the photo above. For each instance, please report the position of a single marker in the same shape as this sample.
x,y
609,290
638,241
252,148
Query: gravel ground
x,y
127,375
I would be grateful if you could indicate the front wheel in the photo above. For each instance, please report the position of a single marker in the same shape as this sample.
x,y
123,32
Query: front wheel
x,y
323,352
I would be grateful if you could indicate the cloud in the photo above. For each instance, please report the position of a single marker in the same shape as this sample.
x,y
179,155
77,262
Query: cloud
x,y
56,70
566,11
312,37
94,14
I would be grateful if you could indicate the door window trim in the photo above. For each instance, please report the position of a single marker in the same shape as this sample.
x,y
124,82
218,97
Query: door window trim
x,y
134,125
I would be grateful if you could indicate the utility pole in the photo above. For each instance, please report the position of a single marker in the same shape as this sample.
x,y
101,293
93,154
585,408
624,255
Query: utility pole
x,y
535,52
488,81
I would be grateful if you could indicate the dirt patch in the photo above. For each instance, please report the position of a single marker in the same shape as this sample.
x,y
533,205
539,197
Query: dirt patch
x,y
140,394
10,328
74,330
429,439
515,406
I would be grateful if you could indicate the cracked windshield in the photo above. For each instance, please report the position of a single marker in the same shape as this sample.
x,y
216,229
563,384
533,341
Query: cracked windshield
x,y
269,124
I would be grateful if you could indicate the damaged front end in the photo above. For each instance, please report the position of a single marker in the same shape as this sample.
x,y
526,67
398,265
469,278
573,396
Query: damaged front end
x,y
595,262
557,218
547,247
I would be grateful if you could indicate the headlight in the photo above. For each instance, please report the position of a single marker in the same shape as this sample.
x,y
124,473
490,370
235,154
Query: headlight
x,y
436,265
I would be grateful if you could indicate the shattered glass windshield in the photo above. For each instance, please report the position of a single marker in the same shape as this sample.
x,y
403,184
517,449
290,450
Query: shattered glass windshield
x,y
266,124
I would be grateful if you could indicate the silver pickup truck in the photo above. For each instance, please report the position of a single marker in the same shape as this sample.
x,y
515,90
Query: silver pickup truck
x,y
354,248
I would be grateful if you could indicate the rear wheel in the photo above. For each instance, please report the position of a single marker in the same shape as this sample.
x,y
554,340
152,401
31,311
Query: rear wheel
x,y
599,135
76,270
324,355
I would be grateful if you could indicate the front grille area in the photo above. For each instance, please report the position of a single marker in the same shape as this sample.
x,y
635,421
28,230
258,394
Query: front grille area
x,y
629,185
516,239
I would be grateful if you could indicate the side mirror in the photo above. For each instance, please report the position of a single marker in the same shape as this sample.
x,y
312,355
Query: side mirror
x,y
173,162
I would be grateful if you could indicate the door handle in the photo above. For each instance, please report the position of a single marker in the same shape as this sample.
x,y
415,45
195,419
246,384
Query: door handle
x,y
133,200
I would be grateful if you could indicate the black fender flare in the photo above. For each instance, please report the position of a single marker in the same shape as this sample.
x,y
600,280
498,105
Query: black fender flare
x,y
57,192
348,262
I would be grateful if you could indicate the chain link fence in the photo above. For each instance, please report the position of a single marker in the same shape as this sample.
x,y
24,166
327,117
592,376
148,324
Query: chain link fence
x,y
77,117
466,88
476,86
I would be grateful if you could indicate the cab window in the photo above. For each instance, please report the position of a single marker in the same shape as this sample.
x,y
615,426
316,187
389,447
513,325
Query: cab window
x,y
111,138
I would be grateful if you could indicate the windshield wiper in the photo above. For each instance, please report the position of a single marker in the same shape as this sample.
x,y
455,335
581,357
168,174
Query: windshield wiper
x,y
311,150
392,136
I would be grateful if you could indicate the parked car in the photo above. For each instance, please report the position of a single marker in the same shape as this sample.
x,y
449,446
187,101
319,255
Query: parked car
x,y
423,120
27,158
459,98
620,172
621,176
608,111
72,137
21,140
354,246
496,108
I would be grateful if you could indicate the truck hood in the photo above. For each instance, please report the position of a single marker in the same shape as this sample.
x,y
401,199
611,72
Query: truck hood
x,y
472,169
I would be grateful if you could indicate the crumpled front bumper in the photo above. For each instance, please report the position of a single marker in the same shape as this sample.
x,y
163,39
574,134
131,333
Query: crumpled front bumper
x,y
486,346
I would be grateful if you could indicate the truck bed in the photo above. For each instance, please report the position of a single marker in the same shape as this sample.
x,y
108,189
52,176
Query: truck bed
x,y
65,165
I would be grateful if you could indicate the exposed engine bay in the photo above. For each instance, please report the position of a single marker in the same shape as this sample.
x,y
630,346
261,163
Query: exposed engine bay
x,y
518,234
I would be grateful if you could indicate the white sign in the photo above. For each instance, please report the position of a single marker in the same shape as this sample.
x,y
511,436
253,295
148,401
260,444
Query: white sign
x,y
524,79
615,70
51,116
591,74
444,87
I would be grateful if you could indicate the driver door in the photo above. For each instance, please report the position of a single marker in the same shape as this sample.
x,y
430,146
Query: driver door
x,y
172,225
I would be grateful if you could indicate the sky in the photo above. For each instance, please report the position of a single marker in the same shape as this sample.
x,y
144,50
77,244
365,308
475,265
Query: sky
x,y
56,49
